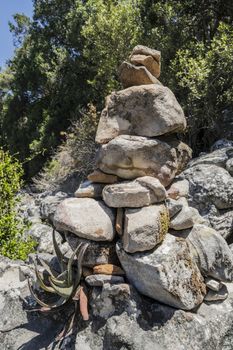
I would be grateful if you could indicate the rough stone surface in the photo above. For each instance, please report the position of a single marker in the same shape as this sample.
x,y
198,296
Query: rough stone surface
x,y
186,217
131,75
99,280
156,188
173,207
144,50
49,204
146,110
87,218
229,166
126,194
97,253
220,295
180,187
133,156
108,269
214,257
167,273
144,228
147,61
100,177
89,189
213,284
211,189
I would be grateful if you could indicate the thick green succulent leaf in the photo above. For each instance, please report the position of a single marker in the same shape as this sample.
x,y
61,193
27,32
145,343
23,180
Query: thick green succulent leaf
x,y
64,292
47,268
70,262
80,260
40,302
58,252
61,280
41,282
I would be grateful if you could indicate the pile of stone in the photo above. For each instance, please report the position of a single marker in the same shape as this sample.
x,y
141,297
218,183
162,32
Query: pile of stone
x,y
132,209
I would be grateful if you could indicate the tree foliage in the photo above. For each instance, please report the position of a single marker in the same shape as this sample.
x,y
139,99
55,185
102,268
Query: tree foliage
x,y
67,57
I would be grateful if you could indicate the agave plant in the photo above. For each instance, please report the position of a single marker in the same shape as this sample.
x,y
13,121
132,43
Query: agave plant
x,y
66,284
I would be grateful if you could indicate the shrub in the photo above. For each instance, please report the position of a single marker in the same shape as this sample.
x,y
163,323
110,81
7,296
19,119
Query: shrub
x,y
75,156
12,243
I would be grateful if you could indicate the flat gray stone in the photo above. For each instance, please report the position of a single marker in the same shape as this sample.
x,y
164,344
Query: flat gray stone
x,y
220,295
87,218
213,284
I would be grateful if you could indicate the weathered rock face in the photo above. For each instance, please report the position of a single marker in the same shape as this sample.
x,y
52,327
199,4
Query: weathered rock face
x,y
147,61
87,218
167,274
97,253
142,192
211,189
130,75
214,257
130,157
186,217
100,177
144,228
146,51
146,110
90,190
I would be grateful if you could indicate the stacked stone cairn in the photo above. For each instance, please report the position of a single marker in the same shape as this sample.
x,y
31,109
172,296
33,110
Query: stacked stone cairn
x,y
133,210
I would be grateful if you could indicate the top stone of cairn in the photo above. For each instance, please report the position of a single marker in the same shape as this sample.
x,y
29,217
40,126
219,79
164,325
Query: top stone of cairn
x,y
145,107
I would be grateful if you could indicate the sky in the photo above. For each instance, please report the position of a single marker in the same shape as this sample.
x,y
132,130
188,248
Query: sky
x,y
7,9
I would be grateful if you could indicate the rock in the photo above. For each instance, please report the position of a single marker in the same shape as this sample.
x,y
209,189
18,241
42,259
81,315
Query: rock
x,y
112,299
89,189
100,280
158,192
144,50
108,269
142,192
126,194
223,143
213,256
133,156
229,166
146,110
173,207
42,233
147,61
97,253
220,295
167,274
213,284
87,218
131,75
49,204
218,157
210,184
185,218
180,188
100,177
119,221
144,228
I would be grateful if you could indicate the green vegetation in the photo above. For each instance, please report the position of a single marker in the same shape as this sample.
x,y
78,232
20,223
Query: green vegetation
x,y
12,243
67,57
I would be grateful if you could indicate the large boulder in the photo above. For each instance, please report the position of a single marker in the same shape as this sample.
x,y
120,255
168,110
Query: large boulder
x,y
130,157
87,218
214,257
131,75
135,194
144,228
211,189
167,274
146,110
